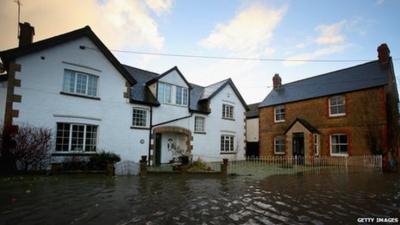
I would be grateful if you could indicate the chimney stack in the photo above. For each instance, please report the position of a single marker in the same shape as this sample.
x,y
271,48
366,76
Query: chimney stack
x,y
26,33
277,81
383,54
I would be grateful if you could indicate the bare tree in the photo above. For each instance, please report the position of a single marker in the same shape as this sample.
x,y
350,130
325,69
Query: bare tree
x,y
32,147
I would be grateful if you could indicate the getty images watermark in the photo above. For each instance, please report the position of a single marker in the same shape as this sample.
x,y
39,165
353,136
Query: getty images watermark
x,y
378,220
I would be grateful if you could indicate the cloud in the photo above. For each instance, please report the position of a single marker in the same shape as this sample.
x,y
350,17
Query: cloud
x,y
318,53
330,34
118,23
159,6
330,40
248,32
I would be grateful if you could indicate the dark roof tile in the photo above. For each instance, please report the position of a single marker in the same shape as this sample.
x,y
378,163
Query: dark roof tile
x,y
359,77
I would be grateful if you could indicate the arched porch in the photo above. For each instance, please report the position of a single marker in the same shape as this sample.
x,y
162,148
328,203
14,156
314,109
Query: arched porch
x,y
169,142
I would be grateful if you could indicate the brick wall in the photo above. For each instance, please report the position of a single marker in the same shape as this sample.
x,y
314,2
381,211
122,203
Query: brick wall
x,y
365,116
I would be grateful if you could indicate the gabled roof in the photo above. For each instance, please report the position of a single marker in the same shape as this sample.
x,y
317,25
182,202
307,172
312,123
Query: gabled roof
x,y
140,93
213,89
304,123
367,75
166,73
253,111
63,38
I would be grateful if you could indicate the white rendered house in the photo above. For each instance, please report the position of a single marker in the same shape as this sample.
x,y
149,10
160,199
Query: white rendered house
x,y
73,84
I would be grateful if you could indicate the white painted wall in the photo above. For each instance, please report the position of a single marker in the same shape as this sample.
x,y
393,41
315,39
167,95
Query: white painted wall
x,y
43,105
3,97
166,112
206,146
252,129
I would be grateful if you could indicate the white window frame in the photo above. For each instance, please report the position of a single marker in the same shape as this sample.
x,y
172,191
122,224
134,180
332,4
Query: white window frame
x,y
276,108
228,111
71,125
162,98
184,98
231,144
146,117
346,144
87,75
184,95
316,144
337,105
203,119
276,144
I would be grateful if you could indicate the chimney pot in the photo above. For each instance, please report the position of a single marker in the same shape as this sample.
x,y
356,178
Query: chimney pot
x,y
383,53
26,33
276,81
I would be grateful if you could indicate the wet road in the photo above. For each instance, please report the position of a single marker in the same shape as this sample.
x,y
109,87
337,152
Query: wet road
x,y
326,198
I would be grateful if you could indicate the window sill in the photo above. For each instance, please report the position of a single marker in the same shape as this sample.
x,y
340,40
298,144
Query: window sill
x,y
339,155
78,95
72,153
279,121
279,153
227,153
226,118
337,115
139,128
200,132
172,104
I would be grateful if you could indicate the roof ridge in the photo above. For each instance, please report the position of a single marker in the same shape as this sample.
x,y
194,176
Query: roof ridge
x,y
85,28
225,80
329,73
141,69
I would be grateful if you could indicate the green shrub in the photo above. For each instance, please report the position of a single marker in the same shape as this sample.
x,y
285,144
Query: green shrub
x,y
100,160
199,165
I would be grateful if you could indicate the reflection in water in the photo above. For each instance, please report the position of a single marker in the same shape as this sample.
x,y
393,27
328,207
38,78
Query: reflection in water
x,y
328,198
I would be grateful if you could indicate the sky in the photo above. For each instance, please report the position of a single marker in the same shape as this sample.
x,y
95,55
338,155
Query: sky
x,y
285,29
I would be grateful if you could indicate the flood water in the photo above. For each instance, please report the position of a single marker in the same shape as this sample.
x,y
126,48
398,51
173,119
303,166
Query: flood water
x,y
325,198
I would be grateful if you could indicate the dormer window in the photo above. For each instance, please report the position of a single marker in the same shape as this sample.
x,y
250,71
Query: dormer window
x,y
166,93
181,96
337,106
80,83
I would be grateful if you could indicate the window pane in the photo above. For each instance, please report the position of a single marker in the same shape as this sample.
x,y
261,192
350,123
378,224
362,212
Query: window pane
x,y
92,86
337,105
81,80
185,96
91,136
62,139
167,93
69,81
160,96
139,117
279,113
199,124
77,137
179,95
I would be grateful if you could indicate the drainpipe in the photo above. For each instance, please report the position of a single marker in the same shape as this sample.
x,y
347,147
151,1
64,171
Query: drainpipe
x,y
150,131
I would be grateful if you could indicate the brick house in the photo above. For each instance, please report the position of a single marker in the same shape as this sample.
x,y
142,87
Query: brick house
x,y
349,112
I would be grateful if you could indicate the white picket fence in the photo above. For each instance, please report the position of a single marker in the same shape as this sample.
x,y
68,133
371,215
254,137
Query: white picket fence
x,y
278,164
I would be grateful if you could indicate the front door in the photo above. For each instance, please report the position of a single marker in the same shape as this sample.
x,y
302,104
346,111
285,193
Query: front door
x,y
157,153
298,148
